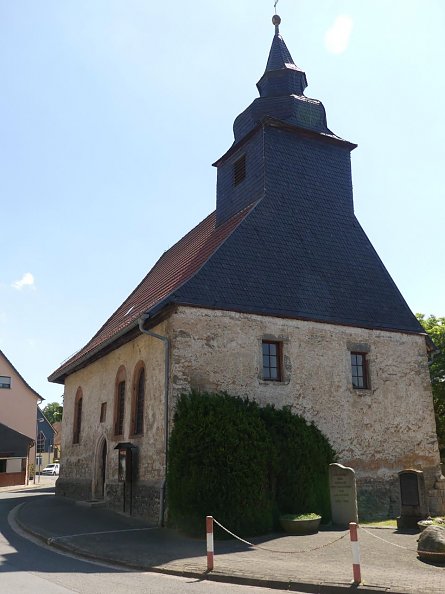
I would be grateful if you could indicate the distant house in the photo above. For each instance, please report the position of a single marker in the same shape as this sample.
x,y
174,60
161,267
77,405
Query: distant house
x,y
45,441
14,454
18,405
57,440
278,295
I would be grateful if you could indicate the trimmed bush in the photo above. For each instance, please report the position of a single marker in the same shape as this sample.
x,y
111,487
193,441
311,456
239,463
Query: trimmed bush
x,y
300,463
218,465
243,464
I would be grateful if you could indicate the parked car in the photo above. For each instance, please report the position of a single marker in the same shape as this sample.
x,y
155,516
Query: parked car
x,y
52,469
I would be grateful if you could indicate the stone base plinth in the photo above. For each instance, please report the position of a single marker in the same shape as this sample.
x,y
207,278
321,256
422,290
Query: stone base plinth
x,y
408,522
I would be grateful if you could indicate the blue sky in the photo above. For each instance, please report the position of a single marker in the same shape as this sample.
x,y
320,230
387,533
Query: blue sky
x,y
112,112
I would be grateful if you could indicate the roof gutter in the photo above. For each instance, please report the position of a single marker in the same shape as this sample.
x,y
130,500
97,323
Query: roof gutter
x,y
166,342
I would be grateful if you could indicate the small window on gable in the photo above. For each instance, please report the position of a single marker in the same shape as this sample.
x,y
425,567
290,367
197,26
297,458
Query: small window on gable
x,y
103,412
5,382
239,170
359,368
272,356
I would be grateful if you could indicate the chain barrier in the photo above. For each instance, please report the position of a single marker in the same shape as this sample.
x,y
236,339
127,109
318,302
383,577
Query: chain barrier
x,y
387,541
426,553
276,550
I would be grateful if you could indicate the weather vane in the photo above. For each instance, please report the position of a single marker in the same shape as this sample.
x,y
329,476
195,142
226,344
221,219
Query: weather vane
x,y
275,5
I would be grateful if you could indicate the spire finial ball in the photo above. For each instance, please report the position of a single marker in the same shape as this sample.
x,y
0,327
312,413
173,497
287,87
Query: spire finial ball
x,y
276,20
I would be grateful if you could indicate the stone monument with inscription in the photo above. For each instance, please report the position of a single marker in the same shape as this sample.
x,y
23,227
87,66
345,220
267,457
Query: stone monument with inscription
x,y
343,492
413,502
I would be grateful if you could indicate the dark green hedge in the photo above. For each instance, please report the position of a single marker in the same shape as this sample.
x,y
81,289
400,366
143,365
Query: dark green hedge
x,y
243,464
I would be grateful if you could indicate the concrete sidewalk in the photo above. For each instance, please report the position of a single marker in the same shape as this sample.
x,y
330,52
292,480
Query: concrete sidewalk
x,y
388,565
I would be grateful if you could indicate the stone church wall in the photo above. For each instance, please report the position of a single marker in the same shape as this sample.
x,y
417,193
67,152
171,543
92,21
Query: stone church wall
x,y
80,467
377,431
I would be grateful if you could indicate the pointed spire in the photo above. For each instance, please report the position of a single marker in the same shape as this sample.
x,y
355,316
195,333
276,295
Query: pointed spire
x,y
282,76
279,56
282,94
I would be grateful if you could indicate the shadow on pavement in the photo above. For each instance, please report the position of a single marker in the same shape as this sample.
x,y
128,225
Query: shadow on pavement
x,y
29,556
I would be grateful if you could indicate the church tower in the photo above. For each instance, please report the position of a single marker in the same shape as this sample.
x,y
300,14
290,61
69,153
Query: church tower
x,y
301,249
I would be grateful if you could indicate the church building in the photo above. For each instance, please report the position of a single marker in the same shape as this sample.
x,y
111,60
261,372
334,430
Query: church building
x,y
279,296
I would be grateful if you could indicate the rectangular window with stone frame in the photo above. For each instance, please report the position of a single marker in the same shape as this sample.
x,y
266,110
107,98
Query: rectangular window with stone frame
x,y
359,371
272,352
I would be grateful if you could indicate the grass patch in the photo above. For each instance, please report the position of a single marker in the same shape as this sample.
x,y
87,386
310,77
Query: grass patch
x,y
391,523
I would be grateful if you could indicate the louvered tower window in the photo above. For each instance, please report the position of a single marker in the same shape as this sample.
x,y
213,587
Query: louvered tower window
x,y
239,170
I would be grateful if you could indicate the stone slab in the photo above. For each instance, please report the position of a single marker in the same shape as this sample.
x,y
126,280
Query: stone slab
x,y
343,493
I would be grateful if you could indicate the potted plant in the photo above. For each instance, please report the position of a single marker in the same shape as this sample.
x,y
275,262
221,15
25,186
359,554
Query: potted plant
x,y
430,522
300,523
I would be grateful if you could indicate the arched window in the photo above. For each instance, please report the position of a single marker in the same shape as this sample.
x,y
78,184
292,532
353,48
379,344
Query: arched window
x,y
41,442
138,400
119,402
77,426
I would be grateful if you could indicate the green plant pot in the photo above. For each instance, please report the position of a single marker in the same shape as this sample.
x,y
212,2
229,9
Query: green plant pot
x,y
300,526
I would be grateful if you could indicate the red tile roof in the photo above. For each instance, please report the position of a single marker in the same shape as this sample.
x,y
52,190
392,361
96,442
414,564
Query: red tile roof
x,y
173,269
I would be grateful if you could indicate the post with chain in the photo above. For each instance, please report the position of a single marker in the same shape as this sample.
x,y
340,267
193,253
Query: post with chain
x,y
355,553
210,548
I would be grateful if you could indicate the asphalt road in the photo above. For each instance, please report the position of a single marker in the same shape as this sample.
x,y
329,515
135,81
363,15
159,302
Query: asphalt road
x,y
27,567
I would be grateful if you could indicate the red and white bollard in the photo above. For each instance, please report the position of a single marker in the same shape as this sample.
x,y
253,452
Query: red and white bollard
x,y
355,553
210,549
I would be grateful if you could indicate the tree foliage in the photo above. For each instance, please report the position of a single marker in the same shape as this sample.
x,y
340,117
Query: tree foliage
x,y
243,464
435,327
53,412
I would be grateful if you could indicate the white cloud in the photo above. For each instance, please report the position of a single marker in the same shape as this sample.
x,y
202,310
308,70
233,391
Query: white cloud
x,y
337,36
27,280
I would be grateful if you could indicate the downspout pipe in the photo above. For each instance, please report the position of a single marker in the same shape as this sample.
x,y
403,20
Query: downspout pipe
x,y
166,342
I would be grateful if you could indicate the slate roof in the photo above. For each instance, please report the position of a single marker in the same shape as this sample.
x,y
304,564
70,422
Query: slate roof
x,y
297,252
13,444
279,56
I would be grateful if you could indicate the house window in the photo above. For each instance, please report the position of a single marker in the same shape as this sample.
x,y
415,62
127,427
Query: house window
x,y
272,360
103,412
139,401
2,465
77,416
359,367
5,382
239,170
